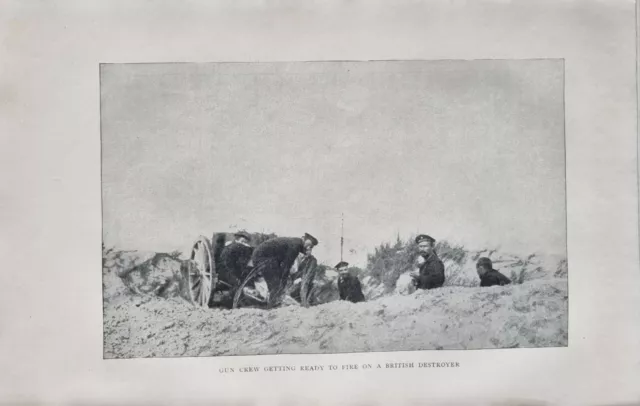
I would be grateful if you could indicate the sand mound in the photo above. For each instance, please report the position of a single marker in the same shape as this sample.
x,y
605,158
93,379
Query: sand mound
x,y
132,272
533,314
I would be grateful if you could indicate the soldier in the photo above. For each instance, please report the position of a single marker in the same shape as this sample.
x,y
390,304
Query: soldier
x,y
430,269
349,285
234,259
274,259
488,275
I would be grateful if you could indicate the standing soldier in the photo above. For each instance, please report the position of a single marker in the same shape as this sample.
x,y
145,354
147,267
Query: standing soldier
x,y
430,269
274,258
488,275
349,285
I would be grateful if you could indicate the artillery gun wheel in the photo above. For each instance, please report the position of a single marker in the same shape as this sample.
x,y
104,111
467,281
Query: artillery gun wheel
x,y
202,277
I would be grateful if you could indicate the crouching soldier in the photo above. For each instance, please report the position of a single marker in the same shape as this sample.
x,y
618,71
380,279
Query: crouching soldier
x,y
349,285
488,275
234,259
430,269
274,258
232,265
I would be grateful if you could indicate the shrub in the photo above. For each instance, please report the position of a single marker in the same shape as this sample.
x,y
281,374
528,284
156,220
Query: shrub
x,y
562,270
105,253
518,278
321,270
449,252
388,261
354,270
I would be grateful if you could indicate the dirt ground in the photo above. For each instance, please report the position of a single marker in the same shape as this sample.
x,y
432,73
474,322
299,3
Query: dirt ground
x,y
533,314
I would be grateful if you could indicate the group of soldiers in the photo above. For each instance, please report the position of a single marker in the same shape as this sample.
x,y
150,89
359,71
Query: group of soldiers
x,y
286,265
429,272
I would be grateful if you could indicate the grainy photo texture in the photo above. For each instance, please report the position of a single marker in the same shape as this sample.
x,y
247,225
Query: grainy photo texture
x,y
333,207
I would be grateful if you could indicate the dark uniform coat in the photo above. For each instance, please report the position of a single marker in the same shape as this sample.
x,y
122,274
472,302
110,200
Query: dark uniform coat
x,y
273,259
492,278
350,288
283,250
234,261
431,273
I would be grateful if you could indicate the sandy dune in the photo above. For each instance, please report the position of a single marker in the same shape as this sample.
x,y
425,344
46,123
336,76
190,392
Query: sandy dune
x,y
533,314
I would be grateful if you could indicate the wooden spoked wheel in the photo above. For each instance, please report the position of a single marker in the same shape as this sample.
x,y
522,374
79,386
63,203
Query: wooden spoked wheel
x,y
202,277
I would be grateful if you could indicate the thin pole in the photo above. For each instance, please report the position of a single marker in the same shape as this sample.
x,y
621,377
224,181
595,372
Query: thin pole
x,y
342,237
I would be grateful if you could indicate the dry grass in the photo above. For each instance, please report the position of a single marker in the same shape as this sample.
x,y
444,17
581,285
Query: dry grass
x,y
390,261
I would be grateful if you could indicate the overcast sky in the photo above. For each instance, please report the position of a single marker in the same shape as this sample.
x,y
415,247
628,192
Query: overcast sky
x,y
470,151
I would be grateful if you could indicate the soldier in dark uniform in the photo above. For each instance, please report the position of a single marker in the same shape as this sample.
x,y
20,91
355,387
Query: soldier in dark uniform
x,y
488,275
349,285
234,259
430,272
274,258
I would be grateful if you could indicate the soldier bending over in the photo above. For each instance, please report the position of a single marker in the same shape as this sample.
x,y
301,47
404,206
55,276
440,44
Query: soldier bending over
x,y
274,258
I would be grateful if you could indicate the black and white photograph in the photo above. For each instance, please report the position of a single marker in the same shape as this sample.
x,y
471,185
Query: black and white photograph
x,y
375,202
253,208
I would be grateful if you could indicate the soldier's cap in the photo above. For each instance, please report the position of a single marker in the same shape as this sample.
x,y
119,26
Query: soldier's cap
x,y
313,239
424,237
485,262
244,234
341,264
